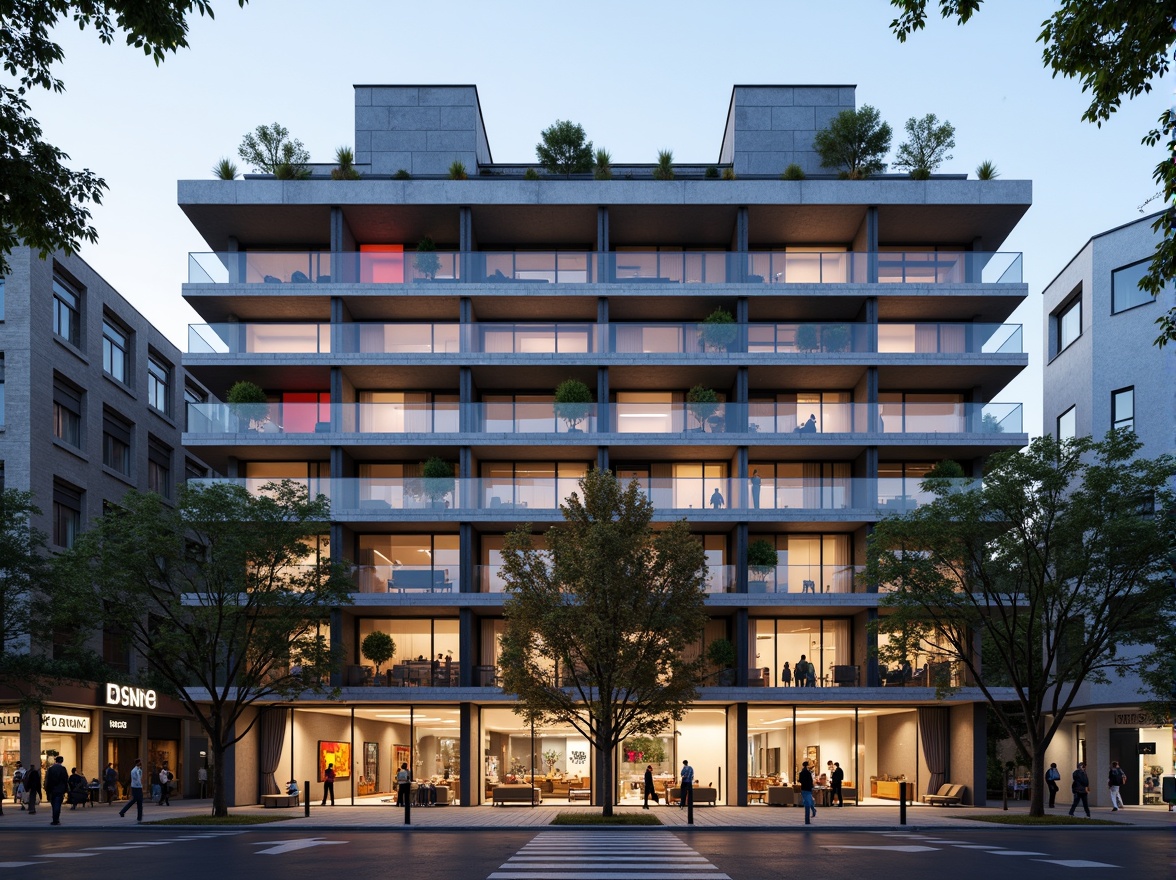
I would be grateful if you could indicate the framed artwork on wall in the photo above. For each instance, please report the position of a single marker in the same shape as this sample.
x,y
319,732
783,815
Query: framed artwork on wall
x,y
400,755
812,754
371,761
337,753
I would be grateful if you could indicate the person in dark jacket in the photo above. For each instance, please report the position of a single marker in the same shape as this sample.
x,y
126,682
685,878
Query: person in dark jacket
x,y
805,778
79,789
56,787
650,789
1080,786
32,784
835,780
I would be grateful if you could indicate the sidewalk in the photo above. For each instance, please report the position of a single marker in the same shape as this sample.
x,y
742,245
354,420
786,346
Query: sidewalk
x,y
521,816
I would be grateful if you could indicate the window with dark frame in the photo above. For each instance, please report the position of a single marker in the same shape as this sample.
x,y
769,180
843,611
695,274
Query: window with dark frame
x,y
1068,324
192,396
67,413
116,443
114,350
1,389
1068,424
67,513
1125,291
158,384
67,311
159,457
1123,409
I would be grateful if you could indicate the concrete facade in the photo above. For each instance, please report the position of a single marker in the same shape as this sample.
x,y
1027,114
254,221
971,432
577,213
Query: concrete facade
x,y
609,282
1114,352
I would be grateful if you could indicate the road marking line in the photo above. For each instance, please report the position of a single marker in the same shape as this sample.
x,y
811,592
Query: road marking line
x,y
1016,852
16,864
975,846
913,848
278,847
594,875
1076,863
67,855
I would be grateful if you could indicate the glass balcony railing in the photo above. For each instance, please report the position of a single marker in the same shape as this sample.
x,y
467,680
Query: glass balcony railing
x,y
513,499
616,267
662,419
686,339
813,579
719,579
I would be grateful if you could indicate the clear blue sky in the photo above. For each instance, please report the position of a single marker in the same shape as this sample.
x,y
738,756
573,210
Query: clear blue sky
x,y
640,76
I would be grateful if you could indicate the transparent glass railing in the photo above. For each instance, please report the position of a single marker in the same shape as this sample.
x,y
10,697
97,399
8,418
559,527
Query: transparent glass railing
x,y
518,498
616,267
813,579
688,339
622,418
488,579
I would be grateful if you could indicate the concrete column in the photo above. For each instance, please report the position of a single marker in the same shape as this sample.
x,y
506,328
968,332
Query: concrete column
x,y
737,756
471,754
603,421
873,679
467,559
467,646
466,244
872,245
740,562
604,271
742,649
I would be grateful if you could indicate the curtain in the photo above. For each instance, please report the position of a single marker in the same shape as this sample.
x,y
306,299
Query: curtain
x,y
273,733
811,481
934,722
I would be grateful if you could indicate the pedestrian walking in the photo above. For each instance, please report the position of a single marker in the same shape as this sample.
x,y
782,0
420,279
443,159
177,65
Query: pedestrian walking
x,y
18,789
328,785
32,786
650,788
1080,785
687,785
56,787
805,777
202,779
1115,779
136,792
165,779
1052,775
110,783
835,780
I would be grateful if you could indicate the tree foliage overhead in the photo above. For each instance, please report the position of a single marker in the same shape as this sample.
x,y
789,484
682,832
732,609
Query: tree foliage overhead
x,y
45,202
564,148
1114,50
1060,560
598,624
856,141
927,145
222,595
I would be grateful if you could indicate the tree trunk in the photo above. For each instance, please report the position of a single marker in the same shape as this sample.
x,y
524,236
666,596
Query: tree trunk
x,y
218,780
1037,781
604,766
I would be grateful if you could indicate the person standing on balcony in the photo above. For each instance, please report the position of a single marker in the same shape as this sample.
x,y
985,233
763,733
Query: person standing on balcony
x,y
756,482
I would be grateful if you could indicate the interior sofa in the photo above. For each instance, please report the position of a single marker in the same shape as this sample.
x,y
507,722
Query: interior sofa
x,y
516,793
948,796
702,795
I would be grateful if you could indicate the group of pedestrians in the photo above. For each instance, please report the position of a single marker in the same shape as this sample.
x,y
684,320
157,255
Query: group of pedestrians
x,y
805,673
1080,786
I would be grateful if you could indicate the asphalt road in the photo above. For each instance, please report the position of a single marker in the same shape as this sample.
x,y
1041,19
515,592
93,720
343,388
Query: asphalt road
x,y
572,854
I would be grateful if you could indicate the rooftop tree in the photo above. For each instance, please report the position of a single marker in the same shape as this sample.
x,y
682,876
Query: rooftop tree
x,y
925,149
597,625
564,148
856,141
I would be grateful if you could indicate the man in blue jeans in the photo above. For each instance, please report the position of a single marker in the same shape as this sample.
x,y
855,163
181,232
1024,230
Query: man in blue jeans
x,y
136,791
805,778
687,785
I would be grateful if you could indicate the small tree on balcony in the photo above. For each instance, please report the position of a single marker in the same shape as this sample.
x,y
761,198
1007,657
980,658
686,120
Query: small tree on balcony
x,y
719,330
573,402
378,647
438,480
426,260
702,403
762,559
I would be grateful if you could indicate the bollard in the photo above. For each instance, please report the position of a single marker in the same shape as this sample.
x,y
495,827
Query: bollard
x,y
306,799
690,807
407,790
902,803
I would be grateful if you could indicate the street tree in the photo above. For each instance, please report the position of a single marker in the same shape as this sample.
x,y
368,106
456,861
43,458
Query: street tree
x,y
1114,50
564,148
1051,574
45,203
598,624
221,595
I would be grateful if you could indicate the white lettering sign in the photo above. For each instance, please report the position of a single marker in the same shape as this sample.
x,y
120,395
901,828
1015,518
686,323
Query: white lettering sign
x,y
130,697
54,722
116,725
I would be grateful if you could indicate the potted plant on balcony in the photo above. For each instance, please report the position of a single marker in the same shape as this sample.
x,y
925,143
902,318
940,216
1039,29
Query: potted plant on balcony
x,y
718,330
762,559
721,655
807,338
426,261
702,403
437,479
573,403
835,337
379,648
247,403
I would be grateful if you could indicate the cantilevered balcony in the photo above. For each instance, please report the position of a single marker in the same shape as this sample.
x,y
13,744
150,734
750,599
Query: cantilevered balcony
x,y
688,341
617,267
725,423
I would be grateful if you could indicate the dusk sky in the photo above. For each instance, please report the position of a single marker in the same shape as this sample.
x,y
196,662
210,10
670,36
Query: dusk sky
x,y
639,76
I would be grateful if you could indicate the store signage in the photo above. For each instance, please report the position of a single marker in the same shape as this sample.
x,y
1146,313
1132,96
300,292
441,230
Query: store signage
x,y
53,722
130,697
122,725
1140,719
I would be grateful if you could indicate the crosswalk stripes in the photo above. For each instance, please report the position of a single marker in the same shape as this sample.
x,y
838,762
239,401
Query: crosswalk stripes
x,y
597,855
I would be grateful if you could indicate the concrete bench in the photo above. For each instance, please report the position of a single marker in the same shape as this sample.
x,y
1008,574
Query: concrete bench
x,y
279,800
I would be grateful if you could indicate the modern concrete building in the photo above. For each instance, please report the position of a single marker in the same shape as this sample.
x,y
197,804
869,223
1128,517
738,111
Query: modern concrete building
x,y
868,343
1102,372
92,402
